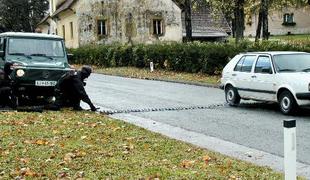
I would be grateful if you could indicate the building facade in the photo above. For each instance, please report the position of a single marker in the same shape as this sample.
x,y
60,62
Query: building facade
x,y
284,22
84,22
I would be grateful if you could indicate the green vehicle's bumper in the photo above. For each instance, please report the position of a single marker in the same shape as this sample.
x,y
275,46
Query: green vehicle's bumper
x,y
38,82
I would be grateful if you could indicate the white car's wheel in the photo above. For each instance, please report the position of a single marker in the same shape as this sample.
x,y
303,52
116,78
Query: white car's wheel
x,y
287,103
232,96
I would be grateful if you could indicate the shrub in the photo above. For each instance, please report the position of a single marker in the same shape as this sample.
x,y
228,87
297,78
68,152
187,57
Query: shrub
x,y
209,58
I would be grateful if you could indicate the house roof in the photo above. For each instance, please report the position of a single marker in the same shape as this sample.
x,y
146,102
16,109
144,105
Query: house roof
x,y
206,23
66,5
44,20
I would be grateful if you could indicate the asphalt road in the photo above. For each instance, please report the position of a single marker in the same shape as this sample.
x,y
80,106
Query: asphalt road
x,y
252,124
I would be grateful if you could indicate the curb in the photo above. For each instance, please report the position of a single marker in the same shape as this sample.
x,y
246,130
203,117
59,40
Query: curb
x,y
167,80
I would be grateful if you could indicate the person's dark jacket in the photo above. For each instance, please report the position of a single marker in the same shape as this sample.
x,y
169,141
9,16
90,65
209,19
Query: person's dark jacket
x,y
71,86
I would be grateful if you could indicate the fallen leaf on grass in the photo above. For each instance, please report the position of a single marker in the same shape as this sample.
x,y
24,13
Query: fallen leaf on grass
x,y
5,153
187,164
153,177
80,154
116,129
206,159
24,160
80,175
63,175
128,147
28,142
93,125
27,172
232,177
68,157
41,142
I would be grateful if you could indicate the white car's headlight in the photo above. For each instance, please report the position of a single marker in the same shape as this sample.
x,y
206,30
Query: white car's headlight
x,y
20,73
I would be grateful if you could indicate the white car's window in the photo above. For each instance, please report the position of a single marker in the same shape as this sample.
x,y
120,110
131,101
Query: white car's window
x,y
263,65
245,64
239,64
292,62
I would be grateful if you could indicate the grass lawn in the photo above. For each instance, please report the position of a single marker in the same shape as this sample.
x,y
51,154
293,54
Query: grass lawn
x,y
160,75
298,38
85,145
292,37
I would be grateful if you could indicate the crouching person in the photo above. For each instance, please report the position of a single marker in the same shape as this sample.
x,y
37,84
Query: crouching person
x,y
69,90
7,99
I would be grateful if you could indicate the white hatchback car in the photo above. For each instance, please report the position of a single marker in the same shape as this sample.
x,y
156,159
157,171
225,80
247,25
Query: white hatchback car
x,y
282,77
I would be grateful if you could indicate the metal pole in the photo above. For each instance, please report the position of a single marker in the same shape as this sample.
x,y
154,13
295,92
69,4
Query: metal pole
x,y
290,149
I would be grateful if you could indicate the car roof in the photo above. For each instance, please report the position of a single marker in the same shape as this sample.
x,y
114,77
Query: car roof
x,y
272,53
35,35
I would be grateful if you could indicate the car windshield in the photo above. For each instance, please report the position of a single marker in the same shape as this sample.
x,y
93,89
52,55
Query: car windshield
x,y
292,62
36,47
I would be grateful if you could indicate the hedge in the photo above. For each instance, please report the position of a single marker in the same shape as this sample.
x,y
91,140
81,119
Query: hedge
x,y
209,58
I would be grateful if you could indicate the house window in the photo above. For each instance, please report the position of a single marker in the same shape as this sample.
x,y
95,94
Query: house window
x,y
71,30
64,32
288,19
102,27
157,27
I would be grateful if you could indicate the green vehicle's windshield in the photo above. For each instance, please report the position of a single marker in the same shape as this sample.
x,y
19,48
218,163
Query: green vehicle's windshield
x,y
292,62
36,47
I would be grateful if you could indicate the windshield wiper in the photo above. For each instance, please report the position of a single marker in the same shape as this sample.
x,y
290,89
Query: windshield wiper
x,y
20,54
286,70
42,55
306,70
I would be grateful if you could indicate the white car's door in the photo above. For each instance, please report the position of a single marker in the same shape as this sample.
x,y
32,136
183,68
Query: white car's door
x,y
263,79
242,75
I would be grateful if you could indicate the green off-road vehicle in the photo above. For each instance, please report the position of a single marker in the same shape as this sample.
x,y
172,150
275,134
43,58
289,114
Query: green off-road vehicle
x,y
39,60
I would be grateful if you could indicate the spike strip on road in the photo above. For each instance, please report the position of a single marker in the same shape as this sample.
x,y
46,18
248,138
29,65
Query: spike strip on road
x,y
110,112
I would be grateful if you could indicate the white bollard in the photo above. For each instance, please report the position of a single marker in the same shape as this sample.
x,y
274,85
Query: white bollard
x,y
290,149
152,66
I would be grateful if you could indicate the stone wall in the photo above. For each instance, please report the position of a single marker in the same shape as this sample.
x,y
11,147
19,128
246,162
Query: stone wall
x,y
128,21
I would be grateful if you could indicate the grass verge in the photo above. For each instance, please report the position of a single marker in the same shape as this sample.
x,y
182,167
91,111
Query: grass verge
x,y
85,145
160,75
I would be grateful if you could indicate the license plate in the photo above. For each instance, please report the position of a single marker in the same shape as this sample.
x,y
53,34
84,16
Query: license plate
x,y
46,83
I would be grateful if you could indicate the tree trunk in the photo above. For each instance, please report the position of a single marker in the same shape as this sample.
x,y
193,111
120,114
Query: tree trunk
x,y
188,20
259,25
265,19
239,19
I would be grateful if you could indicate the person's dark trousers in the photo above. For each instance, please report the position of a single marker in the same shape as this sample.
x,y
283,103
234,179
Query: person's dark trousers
x,y
65,101
74,103
7,98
